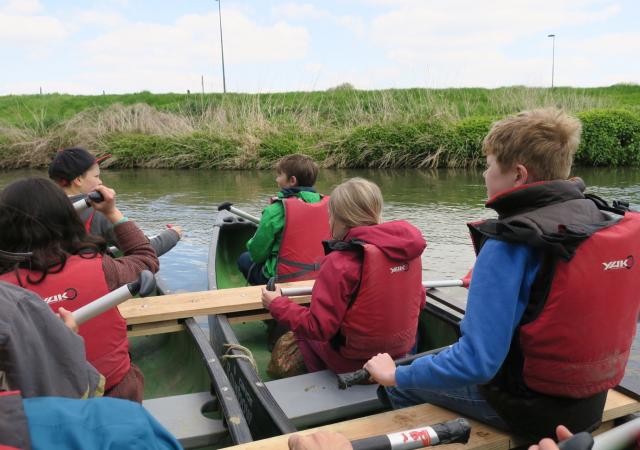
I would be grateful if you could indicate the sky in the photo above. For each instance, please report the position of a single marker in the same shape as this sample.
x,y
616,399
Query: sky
x,y
122,46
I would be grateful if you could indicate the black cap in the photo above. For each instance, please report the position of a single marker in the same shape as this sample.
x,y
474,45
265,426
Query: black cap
x,y
70,163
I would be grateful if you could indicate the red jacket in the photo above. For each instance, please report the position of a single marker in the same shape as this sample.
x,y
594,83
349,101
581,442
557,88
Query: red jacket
x,y
337,281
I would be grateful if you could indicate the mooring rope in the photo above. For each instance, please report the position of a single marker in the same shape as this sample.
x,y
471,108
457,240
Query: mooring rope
x,y
246,354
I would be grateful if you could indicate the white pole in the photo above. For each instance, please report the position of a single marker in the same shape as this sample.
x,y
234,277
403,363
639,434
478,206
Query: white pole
x,y
241,213
96,307
81,205
299,291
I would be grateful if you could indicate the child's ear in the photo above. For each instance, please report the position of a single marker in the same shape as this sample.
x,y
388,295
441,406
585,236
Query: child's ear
x,y
293,180
522,175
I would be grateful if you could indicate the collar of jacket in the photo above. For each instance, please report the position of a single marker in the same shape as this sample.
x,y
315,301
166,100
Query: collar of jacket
x,y
293,191
531,196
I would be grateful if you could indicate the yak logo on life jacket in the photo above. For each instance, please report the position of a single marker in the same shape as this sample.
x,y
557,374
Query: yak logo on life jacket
x,y
626,263
400,268
68,294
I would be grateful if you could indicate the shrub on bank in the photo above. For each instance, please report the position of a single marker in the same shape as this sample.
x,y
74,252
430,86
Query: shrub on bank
x,y
340,128
609,138
197,150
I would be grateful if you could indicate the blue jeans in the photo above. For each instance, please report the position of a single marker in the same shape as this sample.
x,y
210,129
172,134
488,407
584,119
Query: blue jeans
x,y
252,271
467,401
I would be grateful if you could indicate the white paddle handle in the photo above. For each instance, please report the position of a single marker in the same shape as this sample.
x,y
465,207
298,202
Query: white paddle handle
x,y
298,291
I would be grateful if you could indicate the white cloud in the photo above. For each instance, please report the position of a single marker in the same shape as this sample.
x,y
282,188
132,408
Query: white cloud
x,y
99,18
471,43
196,38
21,7
23,30
308,11
299,11
131,56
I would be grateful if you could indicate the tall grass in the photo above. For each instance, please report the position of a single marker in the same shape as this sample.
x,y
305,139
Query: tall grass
x,y
340,128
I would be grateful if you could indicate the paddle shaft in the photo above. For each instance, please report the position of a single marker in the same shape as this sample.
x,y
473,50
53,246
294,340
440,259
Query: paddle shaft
x,y
618,437
144,285
452,431
84,203
360,376
244,215
296,292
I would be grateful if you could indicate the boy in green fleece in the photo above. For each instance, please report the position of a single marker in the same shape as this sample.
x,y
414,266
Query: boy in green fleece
x,y
295,176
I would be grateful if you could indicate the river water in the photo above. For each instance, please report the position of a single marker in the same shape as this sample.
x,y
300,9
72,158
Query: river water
x,y
438,202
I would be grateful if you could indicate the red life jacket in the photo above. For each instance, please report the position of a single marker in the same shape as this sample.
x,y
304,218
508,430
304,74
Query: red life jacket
x,y
579,344
80,282
575,337
383,317
301,252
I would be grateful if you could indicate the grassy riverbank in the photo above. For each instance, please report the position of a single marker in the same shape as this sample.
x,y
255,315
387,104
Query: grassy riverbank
x,y
340,128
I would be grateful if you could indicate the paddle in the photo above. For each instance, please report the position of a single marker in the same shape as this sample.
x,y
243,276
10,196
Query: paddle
x,y
238,212
144,286
296,292
84,203
619,437
360,376
450,432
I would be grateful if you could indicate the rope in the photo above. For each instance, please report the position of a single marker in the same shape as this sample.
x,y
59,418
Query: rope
x,y
246,354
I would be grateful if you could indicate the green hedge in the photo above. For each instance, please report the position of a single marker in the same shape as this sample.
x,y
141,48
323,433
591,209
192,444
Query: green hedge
x,y
609,138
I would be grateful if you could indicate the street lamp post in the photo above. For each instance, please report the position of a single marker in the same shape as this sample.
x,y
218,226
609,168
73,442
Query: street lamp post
x,y
224,81
553,56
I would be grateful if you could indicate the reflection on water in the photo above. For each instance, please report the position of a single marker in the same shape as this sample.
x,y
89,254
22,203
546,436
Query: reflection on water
x,y
438,202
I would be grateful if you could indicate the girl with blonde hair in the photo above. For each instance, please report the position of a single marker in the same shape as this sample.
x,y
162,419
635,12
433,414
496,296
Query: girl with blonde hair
x,y
368,293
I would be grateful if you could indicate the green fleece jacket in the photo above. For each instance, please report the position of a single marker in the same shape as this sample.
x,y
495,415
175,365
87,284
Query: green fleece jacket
x,y
265,244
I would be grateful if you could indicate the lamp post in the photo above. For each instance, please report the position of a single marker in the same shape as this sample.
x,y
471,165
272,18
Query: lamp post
x,y
224,81
553,56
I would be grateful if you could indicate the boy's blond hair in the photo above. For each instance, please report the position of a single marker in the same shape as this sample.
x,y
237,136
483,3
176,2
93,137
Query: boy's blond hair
x,y
542,140
356,202
302,167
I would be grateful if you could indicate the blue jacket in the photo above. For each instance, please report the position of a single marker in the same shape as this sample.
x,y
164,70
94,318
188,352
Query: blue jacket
x,y
100,423
498,296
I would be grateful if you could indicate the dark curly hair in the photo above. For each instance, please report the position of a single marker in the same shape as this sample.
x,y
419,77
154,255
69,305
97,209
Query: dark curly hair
x,y
36,217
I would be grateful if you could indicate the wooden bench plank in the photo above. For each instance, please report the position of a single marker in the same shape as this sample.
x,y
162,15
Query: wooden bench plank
x,y
189,304
483,437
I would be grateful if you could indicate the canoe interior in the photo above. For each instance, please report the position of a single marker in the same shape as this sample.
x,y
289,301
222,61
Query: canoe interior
x,y
232,241
265,417
171,364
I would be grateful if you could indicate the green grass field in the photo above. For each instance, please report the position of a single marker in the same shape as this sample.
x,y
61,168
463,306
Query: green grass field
x,y
340,128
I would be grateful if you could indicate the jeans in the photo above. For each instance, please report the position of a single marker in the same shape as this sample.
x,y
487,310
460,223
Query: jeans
x,y
252,271
467,401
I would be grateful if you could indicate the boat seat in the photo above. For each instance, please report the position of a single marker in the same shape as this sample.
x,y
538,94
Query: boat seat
x,y
314,398
482,436
182,416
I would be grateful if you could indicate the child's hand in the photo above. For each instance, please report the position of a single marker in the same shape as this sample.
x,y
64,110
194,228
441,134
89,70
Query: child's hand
x,y
269,296
318,441
68,319
382,369
177,229
108,205
562,433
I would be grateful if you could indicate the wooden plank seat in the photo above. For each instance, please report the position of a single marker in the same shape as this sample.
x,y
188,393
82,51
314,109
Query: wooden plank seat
x,y
483,437
182,416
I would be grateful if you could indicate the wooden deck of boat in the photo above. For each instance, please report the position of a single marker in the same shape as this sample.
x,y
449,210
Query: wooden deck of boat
x,y
483,437
162,314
